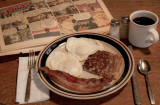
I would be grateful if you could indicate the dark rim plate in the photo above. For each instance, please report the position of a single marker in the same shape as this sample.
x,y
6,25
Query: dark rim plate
x,y
123,49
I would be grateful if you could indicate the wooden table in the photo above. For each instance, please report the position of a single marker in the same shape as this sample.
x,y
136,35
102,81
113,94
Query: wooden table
x,y
8,70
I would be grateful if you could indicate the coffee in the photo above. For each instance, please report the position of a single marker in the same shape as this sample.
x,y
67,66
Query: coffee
x,y
143,21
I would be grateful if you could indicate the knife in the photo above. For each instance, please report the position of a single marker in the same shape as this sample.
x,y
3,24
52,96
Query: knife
x,y
136,93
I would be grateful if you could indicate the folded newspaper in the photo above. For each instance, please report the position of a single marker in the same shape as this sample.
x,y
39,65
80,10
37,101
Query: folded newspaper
x,y
35,23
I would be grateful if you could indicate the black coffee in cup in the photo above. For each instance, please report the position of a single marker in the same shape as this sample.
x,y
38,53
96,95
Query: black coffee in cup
x,y
143,21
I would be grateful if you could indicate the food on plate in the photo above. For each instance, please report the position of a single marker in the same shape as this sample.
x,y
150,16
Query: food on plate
x,y
74,83
67,64
81,48
103,63
64,62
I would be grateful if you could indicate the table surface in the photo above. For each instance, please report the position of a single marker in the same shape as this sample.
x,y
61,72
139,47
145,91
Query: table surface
x,y
8,70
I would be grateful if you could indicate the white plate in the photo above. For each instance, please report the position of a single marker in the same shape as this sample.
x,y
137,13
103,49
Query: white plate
x,y
111,44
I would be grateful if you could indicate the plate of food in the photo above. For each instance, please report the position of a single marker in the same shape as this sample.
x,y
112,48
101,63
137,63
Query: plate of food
x,y
85,65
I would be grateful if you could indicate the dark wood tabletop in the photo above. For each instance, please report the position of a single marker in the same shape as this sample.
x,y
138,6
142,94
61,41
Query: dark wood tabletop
x,y
9,68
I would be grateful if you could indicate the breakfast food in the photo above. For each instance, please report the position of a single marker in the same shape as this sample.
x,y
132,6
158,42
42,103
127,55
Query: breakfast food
x,y
74,83
103,63
81,48
64,62
73,65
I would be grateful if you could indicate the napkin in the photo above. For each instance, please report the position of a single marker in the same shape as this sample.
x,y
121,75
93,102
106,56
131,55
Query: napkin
x,y
38,92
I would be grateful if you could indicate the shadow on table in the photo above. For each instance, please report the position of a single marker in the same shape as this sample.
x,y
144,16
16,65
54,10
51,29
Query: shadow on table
x,y
67,101
145,51
8,58
2,103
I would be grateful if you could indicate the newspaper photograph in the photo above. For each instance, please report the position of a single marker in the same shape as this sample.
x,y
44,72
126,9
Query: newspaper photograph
x,y
37,22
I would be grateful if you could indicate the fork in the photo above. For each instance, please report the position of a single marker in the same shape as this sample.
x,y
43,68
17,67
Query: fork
x,y
31,64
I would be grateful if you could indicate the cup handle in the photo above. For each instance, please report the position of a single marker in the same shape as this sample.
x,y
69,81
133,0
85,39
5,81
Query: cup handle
x,y
153,36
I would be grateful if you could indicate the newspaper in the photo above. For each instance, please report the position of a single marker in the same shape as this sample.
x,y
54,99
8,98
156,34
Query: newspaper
x,y
35,23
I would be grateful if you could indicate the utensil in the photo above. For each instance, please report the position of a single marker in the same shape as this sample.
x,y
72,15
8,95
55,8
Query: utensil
x,y
144,68
31,65
110,44
137,97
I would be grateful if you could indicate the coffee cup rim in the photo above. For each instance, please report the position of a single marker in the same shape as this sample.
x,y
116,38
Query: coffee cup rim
x,y
131,15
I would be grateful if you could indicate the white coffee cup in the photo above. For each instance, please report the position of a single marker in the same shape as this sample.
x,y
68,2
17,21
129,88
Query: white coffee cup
x,y
143,36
